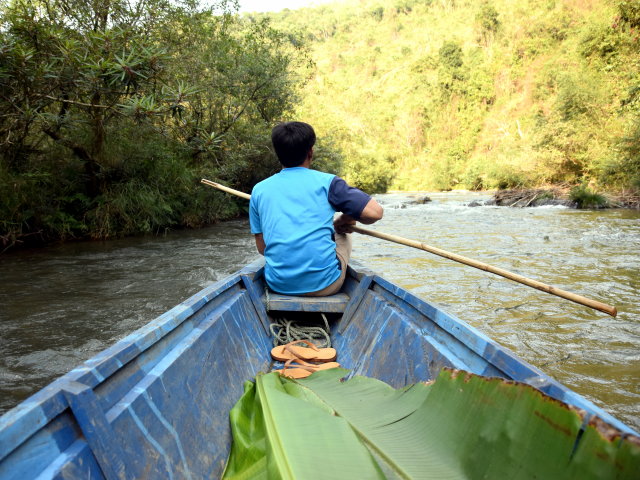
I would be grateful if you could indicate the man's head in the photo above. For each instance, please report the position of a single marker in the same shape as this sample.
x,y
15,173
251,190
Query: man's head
x,y
293,142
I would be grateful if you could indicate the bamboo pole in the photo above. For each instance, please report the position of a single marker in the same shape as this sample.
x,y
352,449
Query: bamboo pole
x,y
460,259
491,269
226,189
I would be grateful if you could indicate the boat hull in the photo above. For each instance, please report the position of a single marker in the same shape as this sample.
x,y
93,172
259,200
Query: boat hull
x,y
156,404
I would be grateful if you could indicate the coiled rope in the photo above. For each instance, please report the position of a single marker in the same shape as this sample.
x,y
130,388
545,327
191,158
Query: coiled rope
x,y
286,331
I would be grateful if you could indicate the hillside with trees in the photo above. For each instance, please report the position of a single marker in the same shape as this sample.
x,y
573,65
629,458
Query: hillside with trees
x,y
442,94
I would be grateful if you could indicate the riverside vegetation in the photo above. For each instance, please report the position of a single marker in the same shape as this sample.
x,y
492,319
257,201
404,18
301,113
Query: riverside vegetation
x,y
442,94
110,112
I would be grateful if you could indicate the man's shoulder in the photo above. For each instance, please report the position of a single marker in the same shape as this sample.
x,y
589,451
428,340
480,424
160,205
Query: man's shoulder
x,y
299,176
324,175
263,184
315,177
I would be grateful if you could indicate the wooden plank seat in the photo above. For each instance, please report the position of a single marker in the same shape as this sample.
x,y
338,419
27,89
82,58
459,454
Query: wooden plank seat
x,y
289,303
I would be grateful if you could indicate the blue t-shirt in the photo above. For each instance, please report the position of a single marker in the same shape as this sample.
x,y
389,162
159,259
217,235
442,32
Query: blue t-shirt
x,y
293,210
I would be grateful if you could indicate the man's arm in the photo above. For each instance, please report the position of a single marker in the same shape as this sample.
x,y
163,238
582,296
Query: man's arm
x,y
355,203
260,245
371,213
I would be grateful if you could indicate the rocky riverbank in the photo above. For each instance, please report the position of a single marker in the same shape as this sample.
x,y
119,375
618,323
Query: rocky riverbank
x,y
537,197
576,197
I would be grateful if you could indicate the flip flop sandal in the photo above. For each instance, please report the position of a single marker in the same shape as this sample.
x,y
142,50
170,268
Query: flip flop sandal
x,y
289,351
303,369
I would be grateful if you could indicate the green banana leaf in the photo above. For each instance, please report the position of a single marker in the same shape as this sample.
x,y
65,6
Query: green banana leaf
x,y
463,426
278,435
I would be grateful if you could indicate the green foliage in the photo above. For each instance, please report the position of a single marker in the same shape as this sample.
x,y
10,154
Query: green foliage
x,y
444,174
371,172
404,6
508,178
377,13
105,106
460,426
450,55
630,149
487,19
327,157
536,95
112,111
602,41
452,74
480,88
624,168
629,13
574,96
586,198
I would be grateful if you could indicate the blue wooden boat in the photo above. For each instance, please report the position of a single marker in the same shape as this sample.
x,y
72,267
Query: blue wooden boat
x,y
156,404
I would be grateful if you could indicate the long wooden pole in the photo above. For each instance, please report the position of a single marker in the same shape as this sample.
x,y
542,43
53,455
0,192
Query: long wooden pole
x,y
219,186
460,259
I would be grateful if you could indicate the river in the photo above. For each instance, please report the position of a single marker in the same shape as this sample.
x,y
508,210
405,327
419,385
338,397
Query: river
x,y
61,305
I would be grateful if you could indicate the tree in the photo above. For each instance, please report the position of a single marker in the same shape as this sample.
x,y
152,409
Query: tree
x,y
111,111
487,18
68,66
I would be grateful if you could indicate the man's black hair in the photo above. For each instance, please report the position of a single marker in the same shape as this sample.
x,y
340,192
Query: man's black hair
x,y
292,142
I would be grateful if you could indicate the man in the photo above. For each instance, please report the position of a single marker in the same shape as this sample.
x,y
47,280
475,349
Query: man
x,y
292,217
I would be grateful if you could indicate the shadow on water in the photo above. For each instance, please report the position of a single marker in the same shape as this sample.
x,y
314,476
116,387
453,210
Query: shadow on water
x,y
61,305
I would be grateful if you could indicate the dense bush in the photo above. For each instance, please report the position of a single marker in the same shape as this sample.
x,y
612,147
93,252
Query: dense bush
x,y
111,112
586,198
629,13
371,173
488,21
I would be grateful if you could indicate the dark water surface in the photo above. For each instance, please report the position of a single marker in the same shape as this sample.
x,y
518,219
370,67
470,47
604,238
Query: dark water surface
x,y
61,305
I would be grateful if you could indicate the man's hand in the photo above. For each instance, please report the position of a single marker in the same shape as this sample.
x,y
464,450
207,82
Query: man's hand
x,y
343,224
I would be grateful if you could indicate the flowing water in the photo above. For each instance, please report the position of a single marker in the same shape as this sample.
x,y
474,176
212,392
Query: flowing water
x,y
61,305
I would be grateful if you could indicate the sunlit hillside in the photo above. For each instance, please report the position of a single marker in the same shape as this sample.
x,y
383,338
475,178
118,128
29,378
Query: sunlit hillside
x,y
421,94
